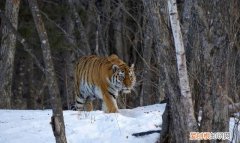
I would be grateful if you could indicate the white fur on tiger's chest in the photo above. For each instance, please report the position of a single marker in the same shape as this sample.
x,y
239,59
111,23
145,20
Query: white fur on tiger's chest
x,y
90,91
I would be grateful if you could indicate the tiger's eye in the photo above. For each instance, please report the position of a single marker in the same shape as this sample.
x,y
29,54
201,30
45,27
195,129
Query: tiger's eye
x,y
121,78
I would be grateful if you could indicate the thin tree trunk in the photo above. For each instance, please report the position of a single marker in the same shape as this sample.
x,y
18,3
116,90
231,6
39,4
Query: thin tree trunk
x,y
7,53
70,55
96,51
18,101
147,53
189,120
180,51
117,28
22,40
57,121
104,29
83,37
31,99
161,37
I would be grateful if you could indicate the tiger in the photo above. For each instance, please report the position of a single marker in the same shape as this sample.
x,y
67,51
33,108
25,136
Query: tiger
x,y
102,78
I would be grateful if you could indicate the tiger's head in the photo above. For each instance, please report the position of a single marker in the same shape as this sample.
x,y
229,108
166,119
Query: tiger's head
x,y
123,76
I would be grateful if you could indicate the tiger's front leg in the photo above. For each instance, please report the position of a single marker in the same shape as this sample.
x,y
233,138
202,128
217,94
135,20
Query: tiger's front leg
x,y
109,104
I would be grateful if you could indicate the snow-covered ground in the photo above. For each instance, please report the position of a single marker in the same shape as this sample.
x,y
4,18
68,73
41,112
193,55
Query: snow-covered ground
x,y
33,126
234,129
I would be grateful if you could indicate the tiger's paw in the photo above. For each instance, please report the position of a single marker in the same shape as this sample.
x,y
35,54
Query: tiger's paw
x,y
113,110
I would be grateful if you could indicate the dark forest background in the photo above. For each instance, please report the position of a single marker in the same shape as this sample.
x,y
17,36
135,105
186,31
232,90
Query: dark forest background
x,y
138,32
99,27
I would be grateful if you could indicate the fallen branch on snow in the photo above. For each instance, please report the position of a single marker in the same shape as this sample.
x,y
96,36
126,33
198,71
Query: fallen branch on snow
x,y
145,133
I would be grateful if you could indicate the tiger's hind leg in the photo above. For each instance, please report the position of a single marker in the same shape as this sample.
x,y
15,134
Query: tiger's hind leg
x,y
82,104
79,103
89,104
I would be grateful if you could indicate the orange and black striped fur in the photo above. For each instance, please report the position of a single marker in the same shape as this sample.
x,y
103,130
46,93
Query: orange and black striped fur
x,y
102,78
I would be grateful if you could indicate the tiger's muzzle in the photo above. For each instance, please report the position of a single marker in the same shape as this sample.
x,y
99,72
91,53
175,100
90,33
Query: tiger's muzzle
x,y
126,90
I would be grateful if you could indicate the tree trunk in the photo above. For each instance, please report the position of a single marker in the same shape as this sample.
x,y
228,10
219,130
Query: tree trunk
x,y
71,55
104,28
31,99
96,50
57,117
163,52
7,53
18,100
216,52
187,121
117,28
145,95
79,25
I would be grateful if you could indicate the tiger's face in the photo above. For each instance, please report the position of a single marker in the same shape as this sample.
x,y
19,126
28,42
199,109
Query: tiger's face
x,y
117,77
125,78
129,80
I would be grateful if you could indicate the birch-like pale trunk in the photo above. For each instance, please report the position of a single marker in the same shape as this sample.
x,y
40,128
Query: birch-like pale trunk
x,y
182,67
180,51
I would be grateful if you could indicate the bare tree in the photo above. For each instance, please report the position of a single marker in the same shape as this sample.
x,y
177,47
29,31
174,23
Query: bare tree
x,y
147,54
80,27
189,120
158,20
176,113
57,121
181,58
117,23
7,54
217,53
70,55
32,98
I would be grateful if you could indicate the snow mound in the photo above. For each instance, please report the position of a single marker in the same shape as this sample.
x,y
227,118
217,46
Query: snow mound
x,y
33,126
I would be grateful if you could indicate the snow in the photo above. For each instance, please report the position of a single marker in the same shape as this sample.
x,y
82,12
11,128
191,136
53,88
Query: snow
x,y
33,126
234,129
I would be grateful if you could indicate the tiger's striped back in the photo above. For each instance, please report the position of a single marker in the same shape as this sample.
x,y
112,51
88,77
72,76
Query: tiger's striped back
x,y
102,78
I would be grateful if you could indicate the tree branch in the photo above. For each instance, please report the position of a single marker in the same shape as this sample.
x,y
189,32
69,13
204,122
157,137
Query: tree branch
x,y
63,31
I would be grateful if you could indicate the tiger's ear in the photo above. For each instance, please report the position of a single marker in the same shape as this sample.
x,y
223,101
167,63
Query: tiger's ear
x,y
113,56
115,68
